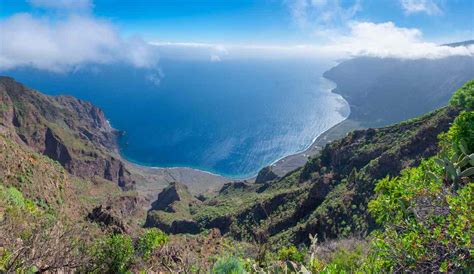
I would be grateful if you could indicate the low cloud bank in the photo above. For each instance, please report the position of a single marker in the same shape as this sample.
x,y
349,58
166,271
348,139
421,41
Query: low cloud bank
x,y
388,40
59,45
384,40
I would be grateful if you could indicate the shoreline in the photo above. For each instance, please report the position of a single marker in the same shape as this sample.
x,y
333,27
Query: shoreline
x,y
281,166
297,160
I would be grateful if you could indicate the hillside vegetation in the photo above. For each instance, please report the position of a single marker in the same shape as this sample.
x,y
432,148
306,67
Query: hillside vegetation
x,y
392,199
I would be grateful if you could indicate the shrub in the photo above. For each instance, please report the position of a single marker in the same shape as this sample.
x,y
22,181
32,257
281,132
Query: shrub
x,y
346,261
228,265
426,224
5,256
464,97
428,221
462,132
113,254
290,253
15,199
150,240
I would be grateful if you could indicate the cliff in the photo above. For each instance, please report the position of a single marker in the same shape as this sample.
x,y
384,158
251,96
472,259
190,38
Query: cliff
x,y
73,132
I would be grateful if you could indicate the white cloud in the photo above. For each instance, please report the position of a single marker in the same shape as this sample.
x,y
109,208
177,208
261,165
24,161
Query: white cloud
x,y
62,44
192,50
62,4
322,14
429,7
388,40
384,40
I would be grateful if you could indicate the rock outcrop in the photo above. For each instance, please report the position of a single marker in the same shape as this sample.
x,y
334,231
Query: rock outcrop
x,y
266,174
233,186
170,212
113,214
106,218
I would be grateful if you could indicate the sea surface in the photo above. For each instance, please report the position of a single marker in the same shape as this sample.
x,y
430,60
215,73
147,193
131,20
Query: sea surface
x,y
231,117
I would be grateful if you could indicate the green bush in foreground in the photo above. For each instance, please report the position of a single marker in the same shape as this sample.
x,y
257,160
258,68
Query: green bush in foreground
x,y
150,240
345,261
113,254
290,253
229,265
461,133
464,97
427,221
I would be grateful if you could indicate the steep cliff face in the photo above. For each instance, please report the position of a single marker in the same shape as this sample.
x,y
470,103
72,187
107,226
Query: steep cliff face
x,y
73,132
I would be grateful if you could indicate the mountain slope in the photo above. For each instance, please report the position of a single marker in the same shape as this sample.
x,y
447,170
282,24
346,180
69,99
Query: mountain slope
x,y
43,208
71,131
329,195
382,91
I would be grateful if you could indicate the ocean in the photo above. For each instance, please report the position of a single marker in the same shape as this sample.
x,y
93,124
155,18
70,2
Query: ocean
x,y
230,117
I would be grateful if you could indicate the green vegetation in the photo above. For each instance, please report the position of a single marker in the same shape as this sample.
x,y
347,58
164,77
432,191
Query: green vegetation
x,y
427,212
425,217
464,97
229,265
14,198
460,134
290,253
113,254
34,239
395,199
150,240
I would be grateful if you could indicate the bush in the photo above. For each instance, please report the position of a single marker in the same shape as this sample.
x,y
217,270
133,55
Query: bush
x,y
113,254
290,253
464,97
228,265
346,261
462,131
150,240
15,199
426,224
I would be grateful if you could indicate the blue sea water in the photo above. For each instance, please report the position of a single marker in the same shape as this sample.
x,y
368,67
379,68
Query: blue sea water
x,y
231,117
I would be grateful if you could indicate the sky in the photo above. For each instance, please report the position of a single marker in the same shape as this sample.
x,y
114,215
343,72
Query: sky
x,y
69,32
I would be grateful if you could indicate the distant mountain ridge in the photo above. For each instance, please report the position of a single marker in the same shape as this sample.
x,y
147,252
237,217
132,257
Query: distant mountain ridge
x,y
382,91
463,43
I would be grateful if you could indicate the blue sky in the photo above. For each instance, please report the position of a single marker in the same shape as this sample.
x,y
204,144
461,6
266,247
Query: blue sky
x,y
261,21
62,35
